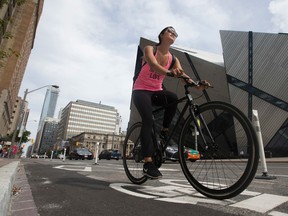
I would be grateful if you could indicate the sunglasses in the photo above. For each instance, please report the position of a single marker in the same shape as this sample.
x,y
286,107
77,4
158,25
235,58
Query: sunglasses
x,y
173,32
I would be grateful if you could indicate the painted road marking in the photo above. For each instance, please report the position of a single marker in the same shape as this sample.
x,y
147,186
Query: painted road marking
x,y
276,213
177,191
74,168
120,187
268,202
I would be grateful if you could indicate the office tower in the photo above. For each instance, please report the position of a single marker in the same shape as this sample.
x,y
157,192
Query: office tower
x,y
48,137
48,110
83,116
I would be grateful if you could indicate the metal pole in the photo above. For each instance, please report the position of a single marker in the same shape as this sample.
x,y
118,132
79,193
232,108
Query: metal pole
x,y
261,148
96,153
64,156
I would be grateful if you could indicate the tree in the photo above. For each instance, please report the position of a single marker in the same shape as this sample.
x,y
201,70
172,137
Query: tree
x,y
25,136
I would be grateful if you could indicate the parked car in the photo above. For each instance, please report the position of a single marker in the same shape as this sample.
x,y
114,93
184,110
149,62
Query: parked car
x,y
171,153
35,156
110,154
60,156
193,155
81,153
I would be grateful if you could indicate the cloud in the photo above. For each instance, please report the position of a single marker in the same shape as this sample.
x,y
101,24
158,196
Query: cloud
x,y
278,9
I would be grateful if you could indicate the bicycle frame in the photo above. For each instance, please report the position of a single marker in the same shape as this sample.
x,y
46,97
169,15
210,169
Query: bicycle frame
x,y
192,110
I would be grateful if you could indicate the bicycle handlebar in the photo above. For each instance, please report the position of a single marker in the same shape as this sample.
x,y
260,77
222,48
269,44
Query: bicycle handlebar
x,y
193,84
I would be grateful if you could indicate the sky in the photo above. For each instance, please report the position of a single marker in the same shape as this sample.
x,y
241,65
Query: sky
x,y
88,48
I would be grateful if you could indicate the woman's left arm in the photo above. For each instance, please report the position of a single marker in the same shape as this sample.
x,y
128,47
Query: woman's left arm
x,y
177,70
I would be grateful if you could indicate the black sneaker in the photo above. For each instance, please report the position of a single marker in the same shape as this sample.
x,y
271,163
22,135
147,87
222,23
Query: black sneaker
x,y
151,171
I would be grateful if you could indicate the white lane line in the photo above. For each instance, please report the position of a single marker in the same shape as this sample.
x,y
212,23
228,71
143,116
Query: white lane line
x,y
75,168
192,200
276,213
285,176
119,187
250,193
268,202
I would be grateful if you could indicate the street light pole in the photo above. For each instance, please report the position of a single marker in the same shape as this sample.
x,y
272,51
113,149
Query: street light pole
x,y
20,120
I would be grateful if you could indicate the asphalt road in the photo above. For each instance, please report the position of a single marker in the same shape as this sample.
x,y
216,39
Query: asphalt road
x,y
82,188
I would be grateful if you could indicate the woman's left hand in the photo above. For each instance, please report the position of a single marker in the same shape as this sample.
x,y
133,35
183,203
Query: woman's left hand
x,y
203,84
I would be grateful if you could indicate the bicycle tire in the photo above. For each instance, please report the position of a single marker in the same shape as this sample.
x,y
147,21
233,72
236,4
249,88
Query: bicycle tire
x,y
132,162
227,167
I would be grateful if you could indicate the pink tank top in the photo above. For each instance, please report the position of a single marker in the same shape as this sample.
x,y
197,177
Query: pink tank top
x,y
150,80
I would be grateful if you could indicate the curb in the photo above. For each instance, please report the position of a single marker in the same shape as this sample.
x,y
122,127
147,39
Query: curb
x,y
7,173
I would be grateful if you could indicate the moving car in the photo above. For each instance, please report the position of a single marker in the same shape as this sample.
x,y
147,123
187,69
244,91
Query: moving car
x,y
110,154
80,153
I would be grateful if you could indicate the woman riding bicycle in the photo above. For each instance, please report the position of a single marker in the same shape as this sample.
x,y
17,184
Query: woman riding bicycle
x,y
148,91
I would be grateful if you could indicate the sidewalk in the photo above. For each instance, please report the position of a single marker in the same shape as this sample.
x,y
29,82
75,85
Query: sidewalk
x,y
15,194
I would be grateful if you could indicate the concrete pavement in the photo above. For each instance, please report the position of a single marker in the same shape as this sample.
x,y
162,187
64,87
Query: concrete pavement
x,y
15,194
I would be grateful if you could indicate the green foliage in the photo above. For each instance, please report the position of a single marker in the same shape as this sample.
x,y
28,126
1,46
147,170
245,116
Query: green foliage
x,y
2,2
7,35
18,2
25,136
4,54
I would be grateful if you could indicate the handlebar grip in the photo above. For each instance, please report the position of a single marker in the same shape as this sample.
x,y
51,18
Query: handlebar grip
x,y
170,74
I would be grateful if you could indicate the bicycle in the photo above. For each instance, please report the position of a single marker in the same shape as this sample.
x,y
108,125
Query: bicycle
x,y
220,132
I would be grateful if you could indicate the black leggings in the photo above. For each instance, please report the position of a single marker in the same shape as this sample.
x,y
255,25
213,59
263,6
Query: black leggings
x,y
144,101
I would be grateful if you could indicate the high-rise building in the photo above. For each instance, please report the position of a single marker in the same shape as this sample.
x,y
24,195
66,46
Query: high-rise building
x,y
48,137
83,116
48,110
19,21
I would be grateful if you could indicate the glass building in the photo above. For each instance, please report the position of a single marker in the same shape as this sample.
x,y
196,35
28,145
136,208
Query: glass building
x,y
48,110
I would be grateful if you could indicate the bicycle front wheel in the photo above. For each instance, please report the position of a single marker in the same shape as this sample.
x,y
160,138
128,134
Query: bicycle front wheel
x,y
228,150
132,156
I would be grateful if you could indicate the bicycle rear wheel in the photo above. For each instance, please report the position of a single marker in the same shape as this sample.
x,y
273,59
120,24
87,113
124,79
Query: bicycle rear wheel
x,y
229,161
132,157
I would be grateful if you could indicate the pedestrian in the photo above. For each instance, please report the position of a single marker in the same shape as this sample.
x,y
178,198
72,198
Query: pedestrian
x,y
14,151
4,152
148,91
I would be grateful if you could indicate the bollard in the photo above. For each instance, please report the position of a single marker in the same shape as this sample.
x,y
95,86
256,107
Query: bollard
x,y
96,153
256,124
51,156
64,156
